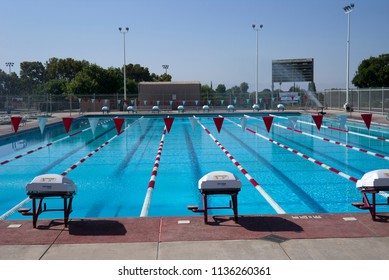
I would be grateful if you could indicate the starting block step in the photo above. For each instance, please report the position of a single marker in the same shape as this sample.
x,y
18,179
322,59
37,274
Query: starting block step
x,y
360,205
25,211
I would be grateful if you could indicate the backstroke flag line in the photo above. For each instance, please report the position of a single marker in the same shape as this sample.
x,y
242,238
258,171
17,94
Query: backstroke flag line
x,y
268,120
118,123
243,122
367,119
219,123
318,119
93,124
67,122
168,122
42,123
15,122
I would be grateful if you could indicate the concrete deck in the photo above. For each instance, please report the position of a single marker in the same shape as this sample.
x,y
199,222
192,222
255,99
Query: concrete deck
x,y
268,237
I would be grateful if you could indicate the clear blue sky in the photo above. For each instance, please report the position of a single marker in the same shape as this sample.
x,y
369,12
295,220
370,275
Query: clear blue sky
x,y
200,40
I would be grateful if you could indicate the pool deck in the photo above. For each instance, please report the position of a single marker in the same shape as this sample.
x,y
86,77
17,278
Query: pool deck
x,y
266,237
352,236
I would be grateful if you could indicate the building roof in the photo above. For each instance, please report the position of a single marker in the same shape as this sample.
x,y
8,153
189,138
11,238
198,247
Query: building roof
x,y
170,83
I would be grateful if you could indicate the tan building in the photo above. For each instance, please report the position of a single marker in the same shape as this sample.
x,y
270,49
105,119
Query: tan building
x,y
168,95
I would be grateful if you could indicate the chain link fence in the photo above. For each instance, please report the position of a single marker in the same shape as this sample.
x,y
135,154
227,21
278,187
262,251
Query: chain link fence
x,y
373,100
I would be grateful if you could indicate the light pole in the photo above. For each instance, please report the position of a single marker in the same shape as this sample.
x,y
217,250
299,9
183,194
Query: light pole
x,y
348,9
256,77
9,65
124,31
165,66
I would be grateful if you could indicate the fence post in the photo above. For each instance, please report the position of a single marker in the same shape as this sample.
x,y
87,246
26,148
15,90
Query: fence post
x,y
382,100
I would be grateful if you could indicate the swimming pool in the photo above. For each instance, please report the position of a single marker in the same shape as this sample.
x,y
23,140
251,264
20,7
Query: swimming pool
x,y
115,180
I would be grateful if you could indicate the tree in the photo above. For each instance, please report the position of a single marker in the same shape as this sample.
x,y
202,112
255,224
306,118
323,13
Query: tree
x,y
220,88
244,87
54,86
32,74
206,92
373,72
164,78
82,84
206,89
138,73
64,69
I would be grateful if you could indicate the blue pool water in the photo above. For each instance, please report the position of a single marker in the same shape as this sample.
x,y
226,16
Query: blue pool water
x,y
114,181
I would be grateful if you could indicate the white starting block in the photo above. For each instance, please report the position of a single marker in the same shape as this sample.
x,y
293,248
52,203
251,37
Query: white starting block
x,y
49,185
216,183
372,183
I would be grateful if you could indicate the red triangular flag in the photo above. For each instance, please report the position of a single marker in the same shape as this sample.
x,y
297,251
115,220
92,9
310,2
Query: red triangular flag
x,y
268,121
67,122
118,123
15,122
218,122
168,123
367,119
318,120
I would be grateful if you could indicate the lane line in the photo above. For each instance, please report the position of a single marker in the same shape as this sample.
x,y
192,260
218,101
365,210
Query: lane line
x,y
330,141
19,205
341,130
334,170
47,145
150,187
265,195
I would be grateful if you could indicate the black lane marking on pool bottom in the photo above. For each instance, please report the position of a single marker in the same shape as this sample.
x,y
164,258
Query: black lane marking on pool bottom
x,y
195,163
128,158
349,167
307,199
69,154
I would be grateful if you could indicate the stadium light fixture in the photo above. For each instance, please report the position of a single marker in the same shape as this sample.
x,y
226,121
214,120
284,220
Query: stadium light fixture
x,y
256,77
124,31
348,9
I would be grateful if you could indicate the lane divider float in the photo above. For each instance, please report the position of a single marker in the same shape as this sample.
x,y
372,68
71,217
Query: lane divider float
x,y
44,146
265,195
341,130
75,165
150,187
19,205
331,141
334,170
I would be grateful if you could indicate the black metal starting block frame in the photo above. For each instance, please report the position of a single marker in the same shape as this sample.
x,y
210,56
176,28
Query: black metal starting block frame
x,y
366,204
206,193
36,211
